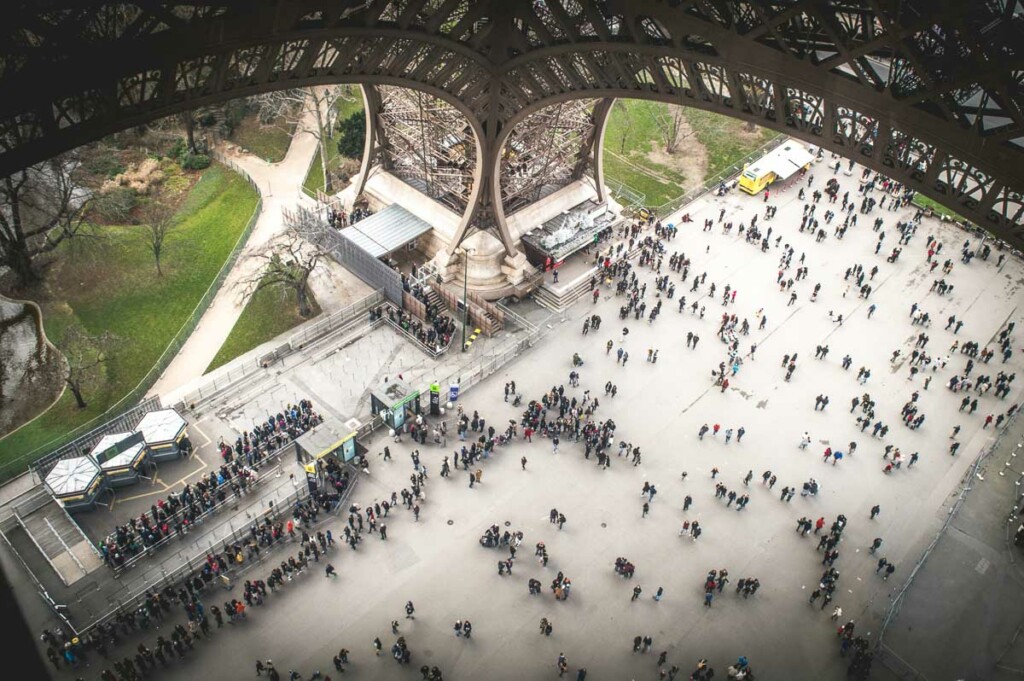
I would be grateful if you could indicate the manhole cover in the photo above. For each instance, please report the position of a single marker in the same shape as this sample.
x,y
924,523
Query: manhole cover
x,y
604,524
451,522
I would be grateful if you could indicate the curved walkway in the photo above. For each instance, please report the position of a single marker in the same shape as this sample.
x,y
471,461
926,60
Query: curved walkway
x,y
280,185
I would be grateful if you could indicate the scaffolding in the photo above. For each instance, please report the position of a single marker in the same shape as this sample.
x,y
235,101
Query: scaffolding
x,y
546,151
428,144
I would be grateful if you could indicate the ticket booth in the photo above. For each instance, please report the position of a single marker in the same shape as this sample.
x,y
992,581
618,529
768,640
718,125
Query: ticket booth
x,y
76,483
164,433
330,439
396,403
122,457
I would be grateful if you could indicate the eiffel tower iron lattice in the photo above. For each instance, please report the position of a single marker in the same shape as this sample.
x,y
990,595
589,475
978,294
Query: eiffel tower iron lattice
x,y
928,92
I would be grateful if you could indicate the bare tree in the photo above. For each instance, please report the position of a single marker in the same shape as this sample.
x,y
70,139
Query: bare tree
x,y
290,262
312,110
669,119
39,208
626,126
85,355
161,219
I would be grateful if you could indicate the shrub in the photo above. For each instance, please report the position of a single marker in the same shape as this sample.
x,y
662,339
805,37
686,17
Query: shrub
x,y
195,161
103,163
178,149
115,205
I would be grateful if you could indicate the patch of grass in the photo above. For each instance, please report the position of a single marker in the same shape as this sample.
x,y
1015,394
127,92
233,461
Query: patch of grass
x,y
346,106
936,207
726,139
315,180
110,283
656,190
630,135
633,132
269,142
270,312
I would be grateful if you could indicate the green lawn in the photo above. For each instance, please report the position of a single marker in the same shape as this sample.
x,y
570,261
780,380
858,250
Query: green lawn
x,y
632,133
656,191
110,283
269,313
924,202
269,142
346,106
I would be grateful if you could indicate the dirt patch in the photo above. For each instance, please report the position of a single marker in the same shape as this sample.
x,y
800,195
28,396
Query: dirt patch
x,y
745,134
690,159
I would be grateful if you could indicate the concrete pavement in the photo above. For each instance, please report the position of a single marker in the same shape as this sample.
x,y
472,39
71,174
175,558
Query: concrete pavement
x,y
438,563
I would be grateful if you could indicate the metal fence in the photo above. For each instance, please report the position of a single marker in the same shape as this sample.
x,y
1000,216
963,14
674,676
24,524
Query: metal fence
x,y
484,366
173,569
517,319
887,656
336,320
223,159
266,469
626,194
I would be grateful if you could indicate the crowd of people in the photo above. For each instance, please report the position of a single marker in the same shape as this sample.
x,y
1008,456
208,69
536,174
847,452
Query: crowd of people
x,y
157,607
436,335
569,415
267,437
339,218
175,515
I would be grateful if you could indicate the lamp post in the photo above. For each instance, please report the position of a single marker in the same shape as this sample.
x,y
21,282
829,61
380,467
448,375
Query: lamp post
x,y
465,292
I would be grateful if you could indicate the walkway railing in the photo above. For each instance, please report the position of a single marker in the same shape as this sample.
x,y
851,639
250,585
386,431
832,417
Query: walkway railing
x,y
633,198
230,500
433,353
231,373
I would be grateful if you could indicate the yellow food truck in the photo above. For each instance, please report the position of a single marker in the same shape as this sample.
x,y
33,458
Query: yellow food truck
x,y
776,166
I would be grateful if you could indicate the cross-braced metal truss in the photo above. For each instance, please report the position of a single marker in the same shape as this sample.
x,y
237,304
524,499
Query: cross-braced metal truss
x,y
930,92
428,143
546,151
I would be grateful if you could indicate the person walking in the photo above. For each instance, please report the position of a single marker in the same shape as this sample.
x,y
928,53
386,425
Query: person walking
x,y
875,510
636,592
658,594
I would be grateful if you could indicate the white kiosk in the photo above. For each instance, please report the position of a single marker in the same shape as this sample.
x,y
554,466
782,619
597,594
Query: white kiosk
x,y
164,434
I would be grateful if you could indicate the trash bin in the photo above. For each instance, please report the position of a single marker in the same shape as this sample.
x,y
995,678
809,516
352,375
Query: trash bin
x,y
453,392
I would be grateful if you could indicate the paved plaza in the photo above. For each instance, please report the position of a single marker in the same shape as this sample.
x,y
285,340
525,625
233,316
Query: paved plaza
x,y
438,563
